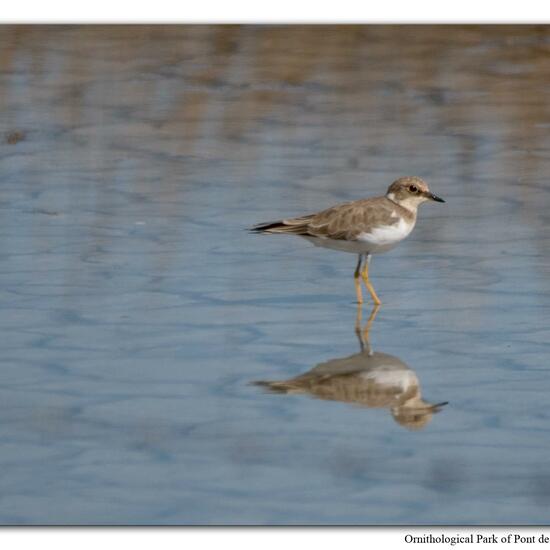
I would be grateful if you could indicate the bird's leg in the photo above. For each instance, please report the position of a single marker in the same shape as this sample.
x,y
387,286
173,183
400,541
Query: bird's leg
x,y
363,335
368,284
358,330
357,281
368,326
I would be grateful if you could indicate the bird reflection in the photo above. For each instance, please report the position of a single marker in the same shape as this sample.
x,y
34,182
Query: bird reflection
x,y
368,378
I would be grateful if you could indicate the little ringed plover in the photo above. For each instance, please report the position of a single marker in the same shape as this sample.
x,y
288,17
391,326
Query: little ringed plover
x,y
364,227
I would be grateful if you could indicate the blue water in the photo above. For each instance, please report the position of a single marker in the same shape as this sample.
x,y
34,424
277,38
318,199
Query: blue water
x,y
137,311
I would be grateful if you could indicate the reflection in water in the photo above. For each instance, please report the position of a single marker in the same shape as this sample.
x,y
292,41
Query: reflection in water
x,y
368,378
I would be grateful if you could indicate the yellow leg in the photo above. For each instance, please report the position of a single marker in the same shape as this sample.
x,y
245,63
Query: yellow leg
x,y
363,335
357,282
371,320
368,284
358,318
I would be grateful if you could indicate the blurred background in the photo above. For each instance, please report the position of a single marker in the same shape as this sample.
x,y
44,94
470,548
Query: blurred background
x,y
137,311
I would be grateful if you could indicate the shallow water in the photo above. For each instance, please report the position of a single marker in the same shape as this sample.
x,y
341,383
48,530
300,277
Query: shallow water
x,y
137,311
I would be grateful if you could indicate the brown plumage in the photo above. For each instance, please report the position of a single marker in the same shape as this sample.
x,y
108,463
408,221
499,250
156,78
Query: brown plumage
x,y
344,221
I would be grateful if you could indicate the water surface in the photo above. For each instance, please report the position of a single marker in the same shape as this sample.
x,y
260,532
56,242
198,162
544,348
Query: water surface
x,y
137,311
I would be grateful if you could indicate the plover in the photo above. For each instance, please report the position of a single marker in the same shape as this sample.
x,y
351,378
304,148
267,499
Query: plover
x,y
364,227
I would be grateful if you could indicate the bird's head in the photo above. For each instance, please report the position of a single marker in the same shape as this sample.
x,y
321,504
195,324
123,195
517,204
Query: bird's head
x,y
410,192
417,415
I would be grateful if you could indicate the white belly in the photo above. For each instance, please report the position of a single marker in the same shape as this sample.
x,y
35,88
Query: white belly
x,y
385,237
380,239
390,377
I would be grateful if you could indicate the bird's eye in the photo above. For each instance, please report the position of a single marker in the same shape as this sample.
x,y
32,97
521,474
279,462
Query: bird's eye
x,y
413,189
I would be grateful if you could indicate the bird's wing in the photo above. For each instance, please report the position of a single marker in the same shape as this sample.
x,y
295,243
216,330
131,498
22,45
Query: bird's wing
x,y
347,221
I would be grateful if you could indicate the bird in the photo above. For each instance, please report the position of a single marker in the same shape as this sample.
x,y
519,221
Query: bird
x,y
369,379
364,227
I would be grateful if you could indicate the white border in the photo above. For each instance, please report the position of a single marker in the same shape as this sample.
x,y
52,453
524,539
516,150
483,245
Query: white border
x,y
276,11
256,538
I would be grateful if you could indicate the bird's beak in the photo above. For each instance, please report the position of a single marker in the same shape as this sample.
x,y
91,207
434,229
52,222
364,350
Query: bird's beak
x,y
435,197
437,407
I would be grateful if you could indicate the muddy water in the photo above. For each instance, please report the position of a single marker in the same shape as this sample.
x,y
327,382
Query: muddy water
x,y
137,311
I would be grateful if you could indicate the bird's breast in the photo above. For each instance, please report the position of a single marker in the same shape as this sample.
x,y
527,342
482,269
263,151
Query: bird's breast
x,y
387,235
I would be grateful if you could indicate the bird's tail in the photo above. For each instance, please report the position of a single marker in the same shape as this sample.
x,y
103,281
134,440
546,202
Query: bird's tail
x,y
276,387
296,226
